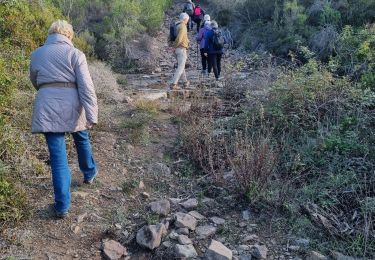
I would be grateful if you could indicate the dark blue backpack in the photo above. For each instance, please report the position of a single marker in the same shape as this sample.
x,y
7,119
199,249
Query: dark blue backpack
x,y
173,31
218,40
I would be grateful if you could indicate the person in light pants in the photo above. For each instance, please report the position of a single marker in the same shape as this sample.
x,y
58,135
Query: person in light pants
x,y
181,44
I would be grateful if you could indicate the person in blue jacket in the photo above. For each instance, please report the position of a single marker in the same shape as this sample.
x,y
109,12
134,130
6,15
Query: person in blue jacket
x,y
214,53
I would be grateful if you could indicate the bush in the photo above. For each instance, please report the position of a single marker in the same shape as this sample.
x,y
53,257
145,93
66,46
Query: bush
x,y
355,55
309,140
111,26
12,200
18,37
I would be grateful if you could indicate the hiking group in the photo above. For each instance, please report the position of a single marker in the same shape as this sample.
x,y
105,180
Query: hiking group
x,y
209,40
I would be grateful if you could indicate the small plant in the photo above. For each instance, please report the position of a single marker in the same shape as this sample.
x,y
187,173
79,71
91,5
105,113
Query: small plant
x,y
138,127
129,186
152,219
12,202
151,107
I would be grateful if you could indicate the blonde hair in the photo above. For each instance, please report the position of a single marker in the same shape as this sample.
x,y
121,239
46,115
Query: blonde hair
x,y
62,27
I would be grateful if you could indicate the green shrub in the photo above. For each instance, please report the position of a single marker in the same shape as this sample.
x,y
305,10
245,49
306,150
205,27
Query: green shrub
x,y
23,27
12,200
356,55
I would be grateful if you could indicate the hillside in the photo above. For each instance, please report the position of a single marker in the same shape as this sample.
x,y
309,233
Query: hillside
x,y
275,161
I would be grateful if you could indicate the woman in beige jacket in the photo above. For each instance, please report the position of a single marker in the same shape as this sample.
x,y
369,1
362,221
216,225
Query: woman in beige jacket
x,y
65,103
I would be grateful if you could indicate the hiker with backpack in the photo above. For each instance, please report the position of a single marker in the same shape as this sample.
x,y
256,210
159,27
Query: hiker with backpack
x,y
197,16
214,49
201,41
189,8
180,41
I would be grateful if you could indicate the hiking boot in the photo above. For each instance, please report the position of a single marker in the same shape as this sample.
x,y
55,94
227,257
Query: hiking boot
x,y
204,72
186,84
91,180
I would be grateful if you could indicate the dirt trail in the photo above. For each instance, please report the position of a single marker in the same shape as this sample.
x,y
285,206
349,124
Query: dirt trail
x,y
115,206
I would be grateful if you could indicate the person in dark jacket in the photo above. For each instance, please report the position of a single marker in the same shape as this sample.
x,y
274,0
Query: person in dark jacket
x,y
198,15
201,41
214,55
189,8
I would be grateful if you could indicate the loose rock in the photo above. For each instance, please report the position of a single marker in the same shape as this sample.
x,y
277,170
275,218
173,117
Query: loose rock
x,y
187,251
150,236
206,231
175,201
184,240
339,256
190,204
113,250
259,252
249,238
183,231
217,220
183,220
141,185
81,218
145,195
80,194
217,251
161,207
196,215
302,242
242,248
167,244
173,235
313,255
246,215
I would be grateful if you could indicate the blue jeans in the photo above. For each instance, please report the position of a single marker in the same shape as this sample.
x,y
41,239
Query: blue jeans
x,y
61,175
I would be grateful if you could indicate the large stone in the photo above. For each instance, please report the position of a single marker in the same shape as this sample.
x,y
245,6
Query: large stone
x,y
190,204
217,251
185,251
161,207
183,220
259,252
184,240
313,255
150,236
206,231
113,250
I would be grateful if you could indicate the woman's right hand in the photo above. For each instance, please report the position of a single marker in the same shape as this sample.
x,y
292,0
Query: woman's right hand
x,y
89,125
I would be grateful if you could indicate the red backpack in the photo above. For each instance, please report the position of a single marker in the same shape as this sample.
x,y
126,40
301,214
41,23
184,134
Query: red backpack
x,y
197,11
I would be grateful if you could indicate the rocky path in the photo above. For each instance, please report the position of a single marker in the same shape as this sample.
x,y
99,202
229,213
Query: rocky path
x,y
146,202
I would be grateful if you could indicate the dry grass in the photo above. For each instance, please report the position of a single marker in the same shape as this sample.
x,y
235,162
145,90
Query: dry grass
x,y
147,106
106,86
